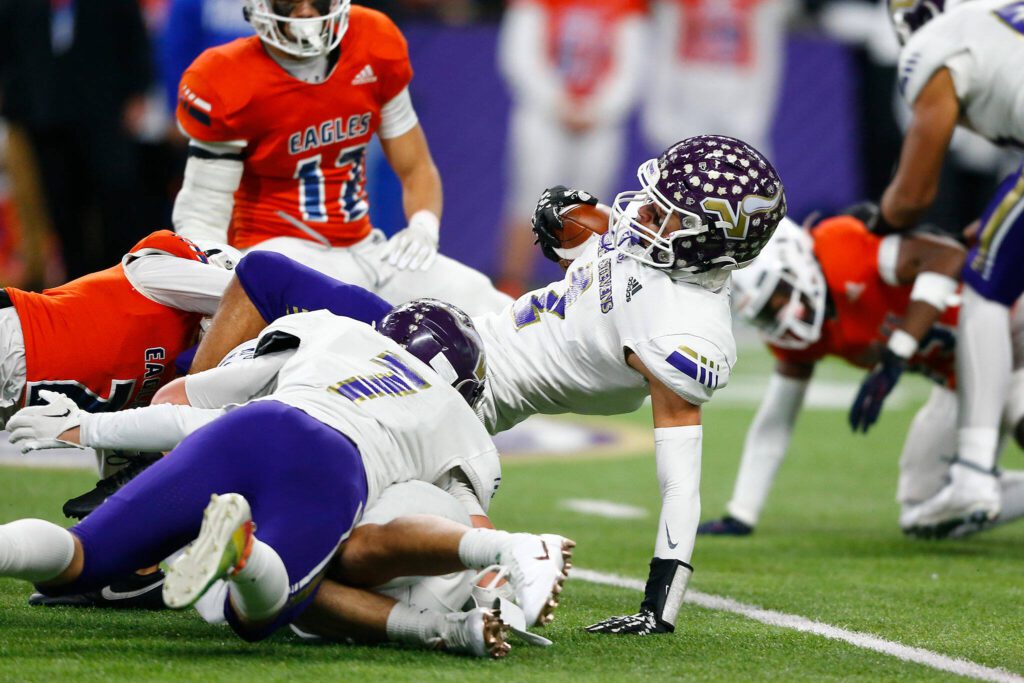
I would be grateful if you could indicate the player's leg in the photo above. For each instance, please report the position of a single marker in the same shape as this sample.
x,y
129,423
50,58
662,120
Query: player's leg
x,y
929,448
597,159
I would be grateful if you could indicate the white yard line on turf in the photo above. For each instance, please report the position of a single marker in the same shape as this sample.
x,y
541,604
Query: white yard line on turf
x,y
603,508
916,655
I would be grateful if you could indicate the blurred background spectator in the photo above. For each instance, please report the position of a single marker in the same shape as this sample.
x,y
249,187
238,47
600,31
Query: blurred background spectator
x,y
90,150
573,68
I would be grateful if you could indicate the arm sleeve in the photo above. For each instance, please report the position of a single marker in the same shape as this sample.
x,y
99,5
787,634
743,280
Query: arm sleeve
x,y
202,209
618,92
177,282
677,454
397,116
153,428
279,286
522,57
765,446
238,382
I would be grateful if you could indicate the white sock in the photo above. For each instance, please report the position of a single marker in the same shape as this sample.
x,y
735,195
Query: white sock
x,y
35,550
414,626
259,591
481,548
978,446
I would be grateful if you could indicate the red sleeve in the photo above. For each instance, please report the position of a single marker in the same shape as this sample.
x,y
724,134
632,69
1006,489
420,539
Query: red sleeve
x,y
205,111
392,54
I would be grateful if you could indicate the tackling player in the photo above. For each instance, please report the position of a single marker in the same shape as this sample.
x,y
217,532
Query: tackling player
x,y
277,158
960,64
839,290
643,311
397,413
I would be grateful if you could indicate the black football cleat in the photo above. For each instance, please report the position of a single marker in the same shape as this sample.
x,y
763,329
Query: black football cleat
x,y
726,526
135,591
80,506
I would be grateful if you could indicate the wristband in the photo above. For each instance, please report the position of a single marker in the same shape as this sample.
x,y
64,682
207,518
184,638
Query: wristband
x,y
902,344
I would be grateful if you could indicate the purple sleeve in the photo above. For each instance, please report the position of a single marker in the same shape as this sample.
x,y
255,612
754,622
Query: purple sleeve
x,y
279,286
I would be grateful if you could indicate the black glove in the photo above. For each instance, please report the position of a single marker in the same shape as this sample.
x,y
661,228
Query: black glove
x,y
870,214
876,386
547,223
663,594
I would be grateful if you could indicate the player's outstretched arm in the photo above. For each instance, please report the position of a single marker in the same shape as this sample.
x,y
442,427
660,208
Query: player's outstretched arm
x,y
415,247
677,452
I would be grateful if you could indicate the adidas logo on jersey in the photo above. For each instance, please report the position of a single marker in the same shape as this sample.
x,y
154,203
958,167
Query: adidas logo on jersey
x,y
365,76
632,287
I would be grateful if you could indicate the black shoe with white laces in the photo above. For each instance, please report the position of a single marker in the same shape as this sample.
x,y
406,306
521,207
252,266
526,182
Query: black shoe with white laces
x,y
134,591
80,506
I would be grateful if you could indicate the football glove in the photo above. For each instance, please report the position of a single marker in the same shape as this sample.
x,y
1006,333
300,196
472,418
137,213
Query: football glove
x,y
546,222
666,585
879,383
415,247
870,214
39,426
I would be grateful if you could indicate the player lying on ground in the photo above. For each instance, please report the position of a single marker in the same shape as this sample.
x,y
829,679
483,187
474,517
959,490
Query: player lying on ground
x,y
277,160
644,311
127,325
960,65
340,440
838,290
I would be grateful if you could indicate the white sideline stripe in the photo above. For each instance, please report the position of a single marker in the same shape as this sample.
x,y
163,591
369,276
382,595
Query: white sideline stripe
x,y
917,655
604,508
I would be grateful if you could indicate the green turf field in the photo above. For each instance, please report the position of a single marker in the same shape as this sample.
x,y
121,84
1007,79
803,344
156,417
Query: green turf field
x,y
828,548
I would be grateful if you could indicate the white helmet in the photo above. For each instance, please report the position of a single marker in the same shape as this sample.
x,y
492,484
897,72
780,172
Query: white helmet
x,y
299,37
783,292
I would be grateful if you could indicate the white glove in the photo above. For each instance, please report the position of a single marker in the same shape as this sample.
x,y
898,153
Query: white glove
x,y
39,426
415,247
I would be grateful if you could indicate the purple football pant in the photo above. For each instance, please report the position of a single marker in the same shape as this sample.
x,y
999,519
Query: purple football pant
x,y
994,266
304,481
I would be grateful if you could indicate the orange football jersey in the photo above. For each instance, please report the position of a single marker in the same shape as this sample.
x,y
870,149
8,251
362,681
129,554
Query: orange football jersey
x,y
99,341
866,309
578,41
305,143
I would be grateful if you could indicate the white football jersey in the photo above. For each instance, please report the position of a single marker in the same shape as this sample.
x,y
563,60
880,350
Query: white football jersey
x,y
407,422
562,348
982,45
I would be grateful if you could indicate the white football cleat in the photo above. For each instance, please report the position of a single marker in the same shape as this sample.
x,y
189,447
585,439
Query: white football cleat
x,y
220,550
538,566
479,632
970,502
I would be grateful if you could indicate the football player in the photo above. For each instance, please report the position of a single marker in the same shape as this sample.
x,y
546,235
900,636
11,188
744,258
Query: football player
x,y
277,159
356,412
642,312
960,65
839,290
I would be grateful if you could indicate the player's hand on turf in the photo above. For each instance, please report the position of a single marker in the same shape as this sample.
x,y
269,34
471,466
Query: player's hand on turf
x,y
546,222
643,623
867,406
39,426
415,247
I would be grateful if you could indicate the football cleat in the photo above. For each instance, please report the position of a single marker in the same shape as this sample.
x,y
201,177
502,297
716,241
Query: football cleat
x,y
726,526
538,567
80,506
134,591
479,632
220,550
969,503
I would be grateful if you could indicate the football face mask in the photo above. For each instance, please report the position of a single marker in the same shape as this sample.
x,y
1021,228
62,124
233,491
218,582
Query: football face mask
x,y
299,36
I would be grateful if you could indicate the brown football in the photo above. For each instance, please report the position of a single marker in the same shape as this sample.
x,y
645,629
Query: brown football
x,y
580,221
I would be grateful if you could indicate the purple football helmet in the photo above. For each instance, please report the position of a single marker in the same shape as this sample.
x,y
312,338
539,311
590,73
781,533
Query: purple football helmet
x,y
728,199
909,15
443,337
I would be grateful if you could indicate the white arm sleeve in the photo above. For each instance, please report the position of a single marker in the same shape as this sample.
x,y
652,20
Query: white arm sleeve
x,y
153,428
522,57
177,282
765,446
202,209
235,383
677,453
618,92
397,116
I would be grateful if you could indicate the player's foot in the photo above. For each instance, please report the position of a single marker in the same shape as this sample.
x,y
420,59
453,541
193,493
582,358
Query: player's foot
x,y
538,566
220,550
80,506
726,526
134,591
479,632
969,503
